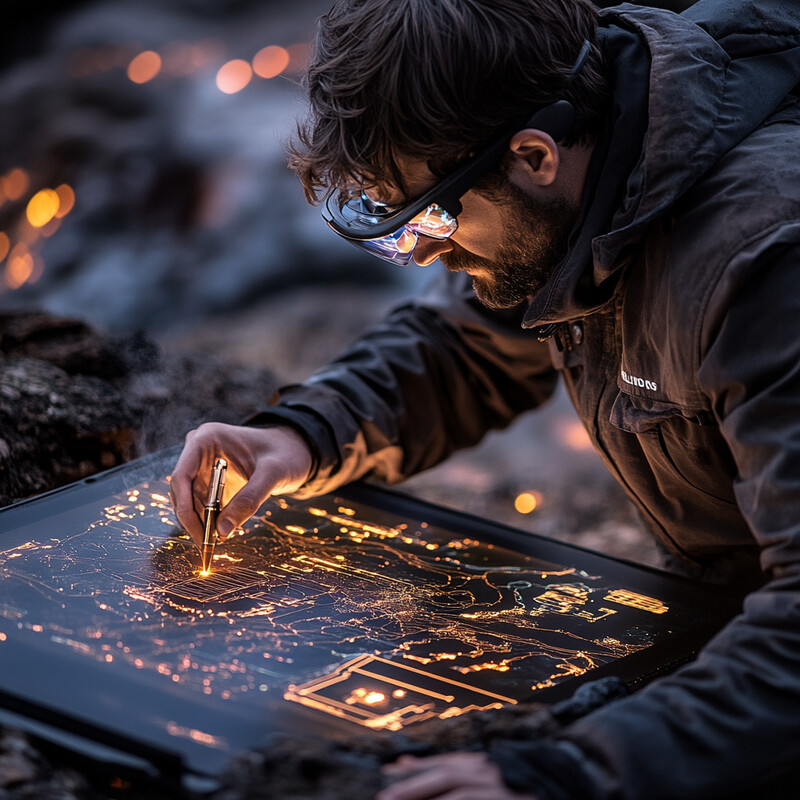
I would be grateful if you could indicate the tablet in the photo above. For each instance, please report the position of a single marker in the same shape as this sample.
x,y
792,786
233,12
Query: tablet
x,y
362,610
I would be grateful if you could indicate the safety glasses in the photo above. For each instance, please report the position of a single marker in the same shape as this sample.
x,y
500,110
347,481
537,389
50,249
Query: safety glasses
x,y
392,233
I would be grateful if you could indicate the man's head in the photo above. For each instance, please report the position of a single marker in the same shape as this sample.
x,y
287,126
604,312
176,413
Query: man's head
x,y
429,83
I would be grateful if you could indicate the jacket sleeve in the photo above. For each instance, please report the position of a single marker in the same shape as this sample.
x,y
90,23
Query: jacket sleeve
x,y
434,377
728,724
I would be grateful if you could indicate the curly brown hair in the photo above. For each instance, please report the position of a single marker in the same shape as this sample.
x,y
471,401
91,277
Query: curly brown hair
x,y
435,79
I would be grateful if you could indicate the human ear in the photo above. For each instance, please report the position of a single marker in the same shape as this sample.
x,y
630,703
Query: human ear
x,y
536,155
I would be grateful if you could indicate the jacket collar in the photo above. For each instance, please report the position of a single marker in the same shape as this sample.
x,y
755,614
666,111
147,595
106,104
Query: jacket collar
x,y
681,99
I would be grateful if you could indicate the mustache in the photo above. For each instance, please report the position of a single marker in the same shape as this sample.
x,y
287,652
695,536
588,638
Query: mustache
x,y
458,260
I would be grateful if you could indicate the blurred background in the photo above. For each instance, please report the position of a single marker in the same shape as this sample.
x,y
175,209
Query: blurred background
x,y
143,189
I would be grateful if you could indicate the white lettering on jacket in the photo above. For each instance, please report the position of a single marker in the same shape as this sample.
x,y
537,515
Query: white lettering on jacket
x,y
640,382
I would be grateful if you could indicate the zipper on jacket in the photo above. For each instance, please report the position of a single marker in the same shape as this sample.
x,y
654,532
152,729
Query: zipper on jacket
x,y
546,332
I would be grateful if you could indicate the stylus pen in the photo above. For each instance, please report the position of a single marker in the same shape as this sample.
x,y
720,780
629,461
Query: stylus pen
x,y
211,511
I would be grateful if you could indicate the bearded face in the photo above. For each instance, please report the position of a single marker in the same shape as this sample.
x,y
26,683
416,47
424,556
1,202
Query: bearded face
x,y
534,241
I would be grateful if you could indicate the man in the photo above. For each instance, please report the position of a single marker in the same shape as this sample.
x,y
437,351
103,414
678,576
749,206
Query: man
x,y
616,197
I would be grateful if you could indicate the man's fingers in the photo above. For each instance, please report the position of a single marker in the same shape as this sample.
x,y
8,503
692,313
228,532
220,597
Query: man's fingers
x,y
187,516
422,785
260,463
245,503
407,763
182,490
448,776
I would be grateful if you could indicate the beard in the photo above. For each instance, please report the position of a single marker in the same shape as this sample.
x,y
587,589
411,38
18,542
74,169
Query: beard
x,y
527,255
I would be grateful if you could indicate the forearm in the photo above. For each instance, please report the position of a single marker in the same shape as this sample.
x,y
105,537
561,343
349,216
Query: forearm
x,y
431,379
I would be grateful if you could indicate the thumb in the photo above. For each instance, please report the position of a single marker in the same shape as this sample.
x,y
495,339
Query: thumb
x,y
243,505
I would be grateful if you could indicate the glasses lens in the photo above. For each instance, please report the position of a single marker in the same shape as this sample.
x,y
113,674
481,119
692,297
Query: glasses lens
x,y
397,248
435,222
357,207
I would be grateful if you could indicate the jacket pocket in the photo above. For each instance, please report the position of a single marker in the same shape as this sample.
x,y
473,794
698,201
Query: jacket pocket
x,y
681,445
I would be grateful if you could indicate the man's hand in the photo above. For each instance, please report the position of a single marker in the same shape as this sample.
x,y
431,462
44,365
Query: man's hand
x,y
452,776
261,462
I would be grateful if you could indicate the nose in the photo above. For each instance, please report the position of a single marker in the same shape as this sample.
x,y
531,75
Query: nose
x,y
429,249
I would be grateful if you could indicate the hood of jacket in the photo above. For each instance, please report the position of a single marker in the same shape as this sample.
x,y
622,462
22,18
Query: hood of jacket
x,y
686,89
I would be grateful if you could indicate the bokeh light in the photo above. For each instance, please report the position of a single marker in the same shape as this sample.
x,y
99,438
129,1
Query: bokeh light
x,y
42,207
234,75
526,502
66,200
270,61
15,183
19,267
144,67
299,55
575,436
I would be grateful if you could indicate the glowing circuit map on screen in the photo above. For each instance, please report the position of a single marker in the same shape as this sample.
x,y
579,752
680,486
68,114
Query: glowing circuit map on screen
x,y
346,609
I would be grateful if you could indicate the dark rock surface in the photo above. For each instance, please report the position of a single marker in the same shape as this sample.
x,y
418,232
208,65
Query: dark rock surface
x,y
75,400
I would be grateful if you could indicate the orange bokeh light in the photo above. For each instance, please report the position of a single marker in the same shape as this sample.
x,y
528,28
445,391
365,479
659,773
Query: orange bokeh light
x,y
299,55
66,200
42,207
19,267
270,61
576,437
144,67
50,228
15,183
5,245
234,75
527,502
